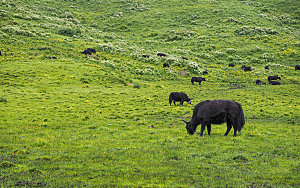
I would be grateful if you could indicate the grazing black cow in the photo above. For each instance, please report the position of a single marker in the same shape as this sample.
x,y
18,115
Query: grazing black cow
x,y
246,68
274,82
204,72
166,65
273,78
297,67
87,52
161,54
197,79
184,58
216,112
0,53
267,67
179,96
231,65
258,82
92,50
145,56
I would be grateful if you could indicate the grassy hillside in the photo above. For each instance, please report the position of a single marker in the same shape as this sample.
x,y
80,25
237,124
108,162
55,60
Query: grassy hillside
x,y
105,120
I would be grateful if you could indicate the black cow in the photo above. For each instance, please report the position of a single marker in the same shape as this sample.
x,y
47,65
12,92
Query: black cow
x,y
92,50
166,65
0,53
216,112
179,96
161,54
205,72
267,67
258,82
246,68
297,67
145,56
274,82
231,65
273,78
197,79
87,52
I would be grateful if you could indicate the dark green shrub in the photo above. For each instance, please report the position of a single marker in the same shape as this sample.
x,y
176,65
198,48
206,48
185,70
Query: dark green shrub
x,y
70,32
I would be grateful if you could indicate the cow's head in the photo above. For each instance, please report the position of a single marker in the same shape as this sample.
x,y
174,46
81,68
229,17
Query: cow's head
x,y
190,129
190,101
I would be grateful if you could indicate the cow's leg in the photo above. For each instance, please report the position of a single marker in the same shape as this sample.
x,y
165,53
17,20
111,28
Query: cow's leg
x,y
181,102
208,129
235,129
202,129
199,83
229,126
174,103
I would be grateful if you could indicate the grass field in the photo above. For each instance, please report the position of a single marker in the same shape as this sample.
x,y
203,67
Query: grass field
x,y
104,120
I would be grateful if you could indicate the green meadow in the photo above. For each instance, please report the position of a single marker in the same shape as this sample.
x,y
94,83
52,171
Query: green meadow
x,y
104,120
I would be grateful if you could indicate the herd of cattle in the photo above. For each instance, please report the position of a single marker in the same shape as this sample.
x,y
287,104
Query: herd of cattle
x,y
208,112
217,111
271,79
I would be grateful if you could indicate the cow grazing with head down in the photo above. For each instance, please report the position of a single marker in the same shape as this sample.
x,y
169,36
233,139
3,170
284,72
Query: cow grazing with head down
x,y
179,96
216,112
197,79
231,65
273,78
267,67
87,52
166,65
205,72
246,68
258,82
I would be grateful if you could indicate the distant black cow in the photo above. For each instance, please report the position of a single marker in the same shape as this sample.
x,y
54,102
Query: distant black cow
x,y
179,96
258,82
161,54
145,56
205,72
267,67
274,82
52,57
92,50
216,112
166,65
273,78
87,52
231,65
197,79
297,67
184,58
0,53
246,68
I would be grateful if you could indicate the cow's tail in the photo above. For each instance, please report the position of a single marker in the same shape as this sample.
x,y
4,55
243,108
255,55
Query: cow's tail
x,y
240,119
170,98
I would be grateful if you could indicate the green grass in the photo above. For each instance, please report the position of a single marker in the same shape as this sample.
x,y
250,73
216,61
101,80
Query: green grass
x,y
104,120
